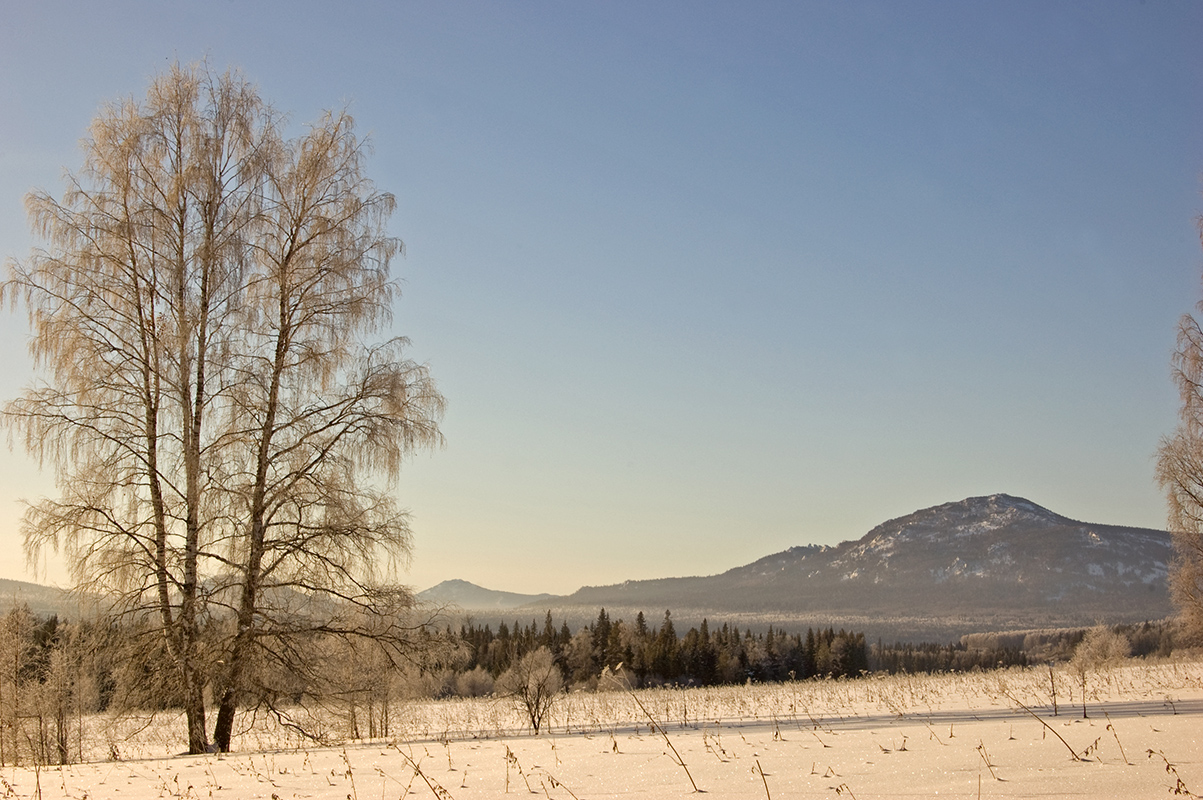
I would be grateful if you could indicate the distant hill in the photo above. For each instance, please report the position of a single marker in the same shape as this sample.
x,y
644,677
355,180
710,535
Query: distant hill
x,y
980,564
983,563
43,601
469,596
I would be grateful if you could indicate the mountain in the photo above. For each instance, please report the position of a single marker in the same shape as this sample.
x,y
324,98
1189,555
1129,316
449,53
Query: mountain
x,y
42,600
980,564
983,563
470,596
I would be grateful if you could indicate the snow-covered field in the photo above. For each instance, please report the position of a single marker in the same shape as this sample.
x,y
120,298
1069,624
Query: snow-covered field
x,y
902,736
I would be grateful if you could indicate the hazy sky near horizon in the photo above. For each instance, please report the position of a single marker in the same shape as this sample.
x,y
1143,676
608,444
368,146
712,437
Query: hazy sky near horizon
x,y
702,281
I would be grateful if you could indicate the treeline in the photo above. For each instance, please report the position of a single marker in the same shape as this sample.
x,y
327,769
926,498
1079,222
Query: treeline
x,y
656,655
907,657
701,657
1012,648
53,674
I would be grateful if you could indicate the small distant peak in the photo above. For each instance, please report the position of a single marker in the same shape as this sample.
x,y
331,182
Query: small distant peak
x,y
454,583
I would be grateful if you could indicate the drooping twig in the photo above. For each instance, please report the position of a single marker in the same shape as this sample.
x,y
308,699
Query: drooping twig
x,y
1179,787
350,775
555,783
511,758
981,751
658,728
1036,716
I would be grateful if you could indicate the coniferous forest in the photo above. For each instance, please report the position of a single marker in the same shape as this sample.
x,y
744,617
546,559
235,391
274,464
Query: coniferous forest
x,y
658,654
54,672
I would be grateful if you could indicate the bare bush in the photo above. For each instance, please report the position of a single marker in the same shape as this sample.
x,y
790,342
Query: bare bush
x,y
474,683
1100,648
534,683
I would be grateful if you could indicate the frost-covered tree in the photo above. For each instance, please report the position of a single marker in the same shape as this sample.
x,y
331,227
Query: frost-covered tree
x,y
1099,649
223,428
1180,473
533,683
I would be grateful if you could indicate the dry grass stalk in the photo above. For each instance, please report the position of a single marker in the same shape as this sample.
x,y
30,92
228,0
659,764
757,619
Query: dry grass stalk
x,y
763,780
1111,728
438,791
655,726
1180,788
1047,727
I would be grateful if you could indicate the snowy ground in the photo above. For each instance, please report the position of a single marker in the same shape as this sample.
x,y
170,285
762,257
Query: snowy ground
x,y
922,736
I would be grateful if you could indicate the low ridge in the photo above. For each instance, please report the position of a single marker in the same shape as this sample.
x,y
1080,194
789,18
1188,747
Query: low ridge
x,y
470,596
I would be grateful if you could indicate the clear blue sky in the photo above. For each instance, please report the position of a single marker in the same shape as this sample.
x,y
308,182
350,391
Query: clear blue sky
x,y
702,281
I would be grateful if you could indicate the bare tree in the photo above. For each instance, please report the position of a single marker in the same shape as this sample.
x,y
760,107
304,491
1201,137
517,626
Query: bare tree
x,y
534,682
324,414
132,308
16,636
1180,473
1100,648
225,436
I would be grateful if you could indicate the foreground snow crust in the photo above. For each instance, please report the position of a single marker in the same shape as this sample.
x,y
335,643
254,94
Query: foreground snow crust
x,y
878,737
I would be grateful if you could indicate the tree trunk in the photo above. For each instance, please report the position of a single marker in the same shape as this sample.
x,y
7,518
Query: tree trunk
x,y
240,650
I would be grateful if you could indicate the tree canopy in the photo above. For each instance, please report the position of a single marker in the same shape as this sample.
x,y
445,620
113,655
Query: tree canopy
x,y
1180,473
225,429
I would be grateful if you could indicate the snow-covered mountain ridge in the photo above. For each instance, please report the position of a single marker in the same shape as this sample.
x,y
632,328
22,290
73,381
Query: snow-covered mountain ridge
x,y
992,537
995,561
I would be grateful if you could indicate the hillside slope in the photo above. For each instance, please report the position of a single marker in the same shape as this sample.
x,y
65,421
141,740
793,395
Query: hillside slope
x,y
987,561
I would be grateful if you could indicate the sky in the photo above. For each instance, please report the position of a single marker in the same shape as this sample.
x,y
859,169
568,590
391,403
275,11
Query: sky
x,y
703,281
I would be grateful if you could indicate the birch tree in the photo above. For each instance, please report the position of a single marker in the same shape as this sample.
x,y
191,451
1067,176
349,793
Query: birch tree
x,y
1180,473
225,435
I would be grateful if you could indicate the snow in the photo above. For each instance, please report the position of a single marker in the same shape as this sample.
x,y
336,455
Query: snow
x,y
879,737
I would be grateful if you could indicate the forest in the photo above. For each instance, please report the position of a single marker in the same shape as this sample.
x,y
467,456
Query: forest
x,y
657,655
53,672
